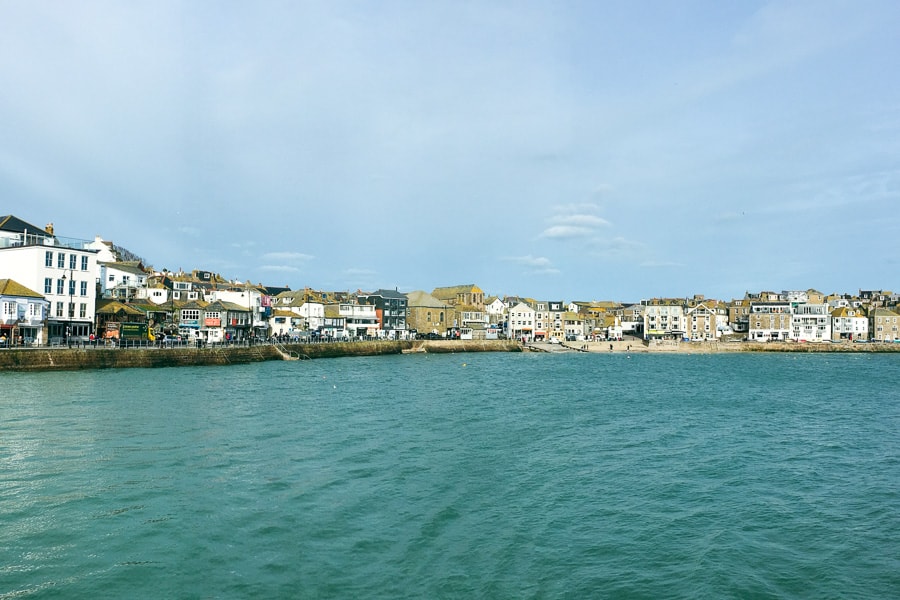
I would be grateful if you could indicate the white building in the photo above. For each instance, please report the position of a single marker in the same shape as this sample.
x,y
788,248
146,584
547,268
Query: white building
x,y
122,280
249,298
22,314
360,318
810,322
849,323
495,309
64,272
521,321
664,318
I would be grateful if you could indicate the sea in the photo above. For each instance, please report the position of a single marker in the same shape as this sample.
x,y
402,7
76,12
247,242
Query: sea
x,y
482,475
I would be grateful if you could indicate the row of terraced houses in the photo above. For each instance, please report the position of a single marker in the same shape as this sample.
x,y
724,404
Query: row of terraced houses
x,y
55,290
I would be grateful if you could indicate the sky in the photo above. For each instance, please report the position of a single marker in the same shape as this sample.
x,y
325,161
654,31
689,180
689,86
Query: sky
x,y
557,150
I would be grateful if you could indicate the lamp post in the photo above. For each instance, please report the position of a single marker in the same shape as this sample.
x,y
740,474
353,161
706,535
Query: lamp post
x,y
70,309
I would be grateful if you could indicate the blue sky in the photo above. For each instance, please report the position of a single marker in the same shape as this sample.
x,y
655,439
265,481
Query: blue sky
x,y
566,150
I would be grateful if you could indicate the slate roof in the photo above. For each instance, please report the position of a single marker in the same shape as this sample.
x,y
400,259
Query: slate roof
x,y
387,294
421,299
17,225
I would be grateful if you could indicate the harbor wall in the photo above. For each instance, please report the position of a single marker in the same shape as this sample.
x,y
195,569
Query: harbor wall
x,y
70,359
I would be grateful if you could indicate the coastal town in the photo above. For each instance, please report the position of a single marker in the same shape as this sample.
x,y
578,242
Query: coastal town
x,y
59,291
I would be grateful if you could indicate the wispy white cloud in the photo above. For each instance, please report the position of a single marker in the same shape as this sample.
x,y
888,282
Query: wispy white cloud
x,y
573,221
580,220
537,265
562,232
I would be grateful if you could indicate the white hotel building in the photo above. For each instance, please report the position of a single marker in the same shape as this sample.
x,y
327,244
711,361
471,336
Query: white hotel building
x,y
62,270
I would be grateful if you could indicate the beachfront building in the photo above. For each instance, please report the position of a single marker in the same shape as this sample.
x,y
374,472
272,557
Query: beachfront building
x,y
810,322
701,323
522,319
23,312
224,321
189,319
495,310
122,280
573,324
426,314
390,311
664,318
283,322
461,295
884,325
334,324
739,316
556,311
253,300
304,303
60,269
359,319
769,321
848,323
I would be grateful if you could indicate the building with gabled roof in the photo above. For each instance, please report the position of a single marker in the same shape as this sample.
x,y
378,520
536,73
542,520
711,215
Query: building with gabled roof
x,y
390,310
849,323
426,314
468,295
23,314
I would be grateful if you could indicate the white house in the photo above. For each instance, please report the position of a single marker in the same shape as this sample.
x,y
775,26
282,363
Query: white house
x,y
22,314
522,320
122,280
849,323
495,309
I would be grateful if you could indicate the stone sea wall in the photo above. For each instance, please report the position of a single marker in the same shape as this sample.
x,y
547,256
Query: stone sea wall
x,y
62,359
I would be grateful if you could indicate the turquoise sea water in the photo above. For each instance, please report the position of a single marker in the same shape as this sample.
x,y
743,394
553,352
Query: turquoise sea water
x,y
456,476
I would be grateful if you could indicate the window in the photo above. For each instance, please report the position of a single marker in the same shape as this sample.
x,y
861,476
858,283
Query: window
x,y
112,277
190,314
34,310
71,310
82,310
84,263
48,285
71,287
59,309
48,258
60,287
61,260
84,288
73,261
